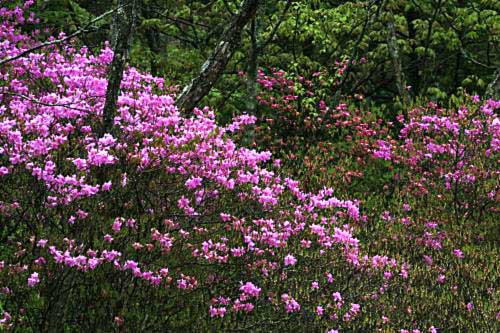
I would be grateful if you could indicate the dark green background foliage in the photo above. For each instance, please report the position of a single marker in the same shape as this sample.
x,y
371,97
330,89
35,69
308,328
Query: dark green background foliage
x,y
444,46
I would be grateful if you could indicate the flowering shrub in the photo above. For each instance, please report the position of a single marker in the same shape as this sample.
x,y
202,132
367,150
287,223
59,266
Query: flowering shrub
x,y
161,222
164,222
294,111
427,183
444,195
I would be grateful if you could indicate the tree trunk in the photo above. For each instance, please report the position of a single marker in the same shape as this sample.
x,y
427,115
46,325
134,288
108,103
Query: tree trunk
x,y
493,90
252,71
121,36
392,45
251,82
217,61
412,69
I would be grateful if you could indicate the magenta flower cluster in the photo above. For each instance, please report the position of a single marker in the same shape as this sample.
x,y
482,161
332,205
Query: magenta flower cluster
x,y
51,137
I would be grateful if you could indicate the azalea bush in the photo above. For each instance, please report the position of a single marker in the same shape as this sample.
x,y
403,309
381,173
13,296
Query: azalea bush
x,y
161,222
427,184
294,110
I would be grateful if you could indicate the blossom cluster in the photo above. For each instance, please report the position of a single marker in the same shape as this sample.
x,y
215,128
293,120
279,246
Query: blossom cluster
x,y
161,200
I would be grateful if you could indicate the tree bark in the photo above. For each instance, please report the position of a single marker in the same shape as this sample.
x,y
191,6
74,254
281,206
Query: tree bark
x,y
392,45
256,49
216,63
252,70
493,89
251,82
424,66
369,20
413,77
152,39
123,26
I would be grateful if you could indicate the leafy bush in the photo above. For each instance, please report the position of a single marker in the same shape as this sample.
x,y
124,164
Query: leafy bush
x,y
161,223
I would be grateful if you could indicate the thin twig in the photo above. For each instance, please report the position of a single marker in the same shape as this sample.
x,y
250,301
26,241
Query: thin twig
x,y
66,105
276,27
473,60
58,41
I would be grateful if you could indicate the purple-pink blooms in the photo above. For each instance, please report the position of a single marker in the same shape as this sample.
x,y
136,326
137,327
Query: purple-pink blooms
x,y
33,280
290,260
250,289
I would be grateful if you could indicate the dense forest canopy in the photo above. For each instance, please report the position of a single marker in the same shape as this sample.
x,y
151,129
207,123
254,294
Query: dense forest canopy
x,y
442,47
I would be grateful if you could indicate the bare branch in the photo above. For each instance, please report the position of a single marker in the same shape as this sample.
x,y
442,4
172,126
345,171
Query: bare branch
x,y
276,27
85,29
217,61
123,27
36,101
473,60
493,89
